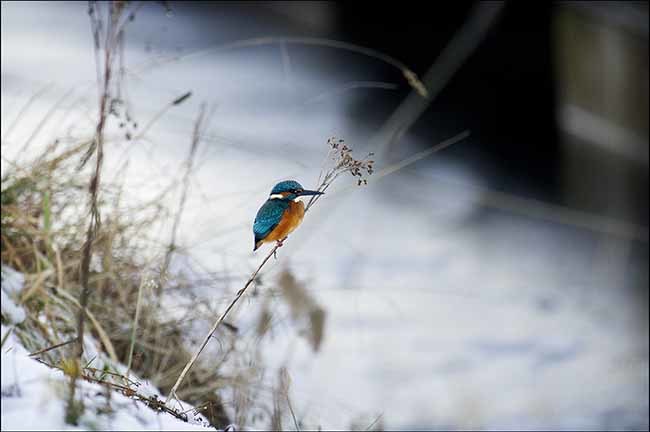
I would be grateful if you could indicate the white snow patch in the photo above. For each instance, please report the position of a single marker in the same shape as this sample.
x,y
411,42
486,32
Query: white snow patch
x,y
33,398
12,283
12,280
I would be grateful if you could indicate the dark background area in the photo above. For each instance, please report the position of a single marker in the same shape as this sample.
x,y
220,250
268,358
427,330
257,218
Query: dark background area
x,y
504,93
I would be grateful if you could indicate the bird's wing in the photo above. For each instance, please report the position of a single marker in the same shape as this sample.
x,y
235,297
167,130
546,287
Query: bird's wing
x,y
268,217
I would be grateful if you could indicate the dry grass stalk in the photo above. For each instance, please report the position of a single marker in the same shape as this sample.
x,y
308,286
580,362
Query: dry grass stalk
x,y
108,45
138,304
284,383
196,138
410,76
206,339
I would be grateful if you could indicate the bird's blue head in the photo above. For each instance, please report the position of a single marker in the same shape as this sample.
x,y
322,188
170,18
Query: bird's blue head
x,y
289,190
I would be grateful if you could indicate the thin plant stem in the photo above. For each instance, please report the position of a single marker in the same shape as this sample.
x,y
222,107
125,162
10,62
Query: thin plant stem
x,y
410,76
135,322
6,335
97,147
53,347
371,425
240,293
179,100
196,138
24,109
293,415
481,19
45,119
344,163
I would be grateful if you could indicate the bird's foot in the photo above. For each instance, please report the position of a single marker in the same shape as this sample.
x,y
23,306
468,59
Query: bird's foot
x,y
278,245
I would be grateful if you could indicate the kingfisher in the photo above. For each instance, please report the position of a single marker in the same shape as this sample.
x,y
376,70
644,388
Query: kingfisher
x,y
281,213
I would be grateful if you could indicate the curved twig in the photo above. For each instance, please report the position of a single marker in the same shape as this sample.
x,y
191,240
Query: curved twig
x,y
410,76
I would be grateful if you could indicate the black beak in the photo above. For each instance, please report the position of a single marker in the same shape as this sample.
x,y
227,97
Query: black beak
x,y
309,192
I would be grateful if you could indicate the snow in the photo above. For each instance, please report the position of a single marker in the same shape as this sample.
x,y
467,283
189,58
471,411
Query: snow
x,y
33,398
11,311
463,316
12,283
12,280
33,394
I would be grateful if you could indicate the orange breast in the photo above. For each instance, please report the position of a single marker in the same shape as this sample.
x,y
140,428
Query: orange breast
x,y
290,220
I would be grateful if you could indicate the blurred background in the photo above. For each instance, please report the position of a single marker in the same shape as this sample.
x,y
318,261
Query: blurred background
x,y
501,282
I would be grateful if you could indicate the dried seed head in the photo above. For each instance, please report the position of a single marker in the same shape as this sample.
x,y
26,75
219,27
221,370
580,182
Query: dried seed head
x,y
342,161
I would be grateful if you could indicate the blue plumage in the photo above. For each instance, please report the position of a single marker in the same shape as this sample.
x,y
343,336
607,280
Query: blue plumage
x,y
286,186
268,217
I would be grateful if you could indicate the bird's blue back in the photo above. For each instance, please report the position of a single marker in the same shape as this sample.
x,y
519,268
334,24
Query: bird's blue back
x,y
268,217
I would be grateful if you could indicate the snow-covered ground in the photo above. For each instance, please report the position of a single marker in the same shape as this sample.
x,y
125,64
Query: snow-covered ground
x,y
33,394
441,312
33,399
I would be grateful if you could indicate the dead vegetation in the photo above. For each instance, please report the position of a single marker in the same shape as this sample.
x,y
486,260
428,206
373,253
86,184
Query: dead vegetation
x,y
42,237
92,266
